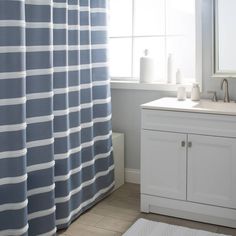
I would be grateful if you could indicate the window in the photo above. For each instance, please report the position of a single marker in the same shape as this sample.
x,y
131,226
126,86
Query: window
x,y
162,26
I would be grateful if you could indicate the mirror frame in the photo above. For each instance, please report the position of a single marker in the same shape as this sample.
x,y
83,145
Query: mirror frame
x,y
216,73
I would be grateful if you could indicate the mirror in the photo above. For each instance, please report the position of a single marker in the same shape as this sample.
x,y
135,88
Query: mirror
x,y
224,38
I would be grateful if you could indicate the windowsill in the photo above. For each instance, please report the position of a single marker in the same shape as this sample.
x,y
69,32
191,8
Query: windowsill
x,y
136,85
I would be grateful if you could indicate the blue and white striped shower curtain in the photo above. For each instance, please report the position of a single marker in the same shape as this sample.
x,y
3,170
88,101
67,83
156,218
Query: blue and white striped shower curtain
x,y
55,113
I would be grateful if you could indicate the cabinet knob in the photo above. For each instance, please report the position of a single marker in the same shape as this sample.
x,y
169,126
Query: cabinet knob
x,y
190,144
183,144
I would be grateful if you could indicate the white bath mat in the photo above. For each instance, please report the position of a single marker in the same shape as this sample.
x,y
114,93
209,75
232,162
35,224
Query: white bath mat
x,y
144,227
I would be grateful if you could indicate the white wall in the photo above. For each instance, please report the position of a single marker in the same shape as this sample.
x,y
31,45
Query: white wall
x,y
126,103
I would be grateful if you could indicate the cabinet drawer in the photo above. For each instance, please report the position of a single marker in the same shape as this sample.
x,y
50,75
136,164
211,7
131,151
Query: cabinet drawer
x,y
187,122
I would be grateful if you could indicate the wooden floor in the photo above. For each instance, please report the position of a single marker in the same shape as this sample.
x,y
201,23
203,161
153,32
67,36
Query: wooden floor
x,y
115,214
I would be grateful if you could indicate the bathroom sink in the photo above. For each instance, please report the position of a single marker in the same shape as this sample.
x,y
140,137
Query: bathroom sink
x,y
215,106
203,106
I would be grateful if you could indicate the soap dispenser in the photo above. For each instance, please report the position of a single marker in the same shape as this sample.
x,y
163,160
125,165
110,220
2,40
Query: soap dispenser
x,y
195,94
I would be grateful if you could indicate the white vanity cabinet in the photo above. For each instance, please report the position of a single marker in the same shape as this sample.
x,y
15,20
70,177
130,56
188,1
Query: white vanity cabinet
x,y
188,161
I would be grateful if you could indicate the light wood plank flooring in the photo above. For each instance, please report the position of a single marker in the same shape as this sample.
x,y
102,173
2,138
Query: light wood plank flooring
x,y
116,213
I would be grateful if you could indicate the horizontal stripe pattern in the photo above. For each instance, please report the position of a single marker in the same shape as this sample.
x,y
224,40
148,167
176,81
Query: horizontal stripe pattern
x,y
49,48
13,154
86,183
84,204
41,190
55,113
49,71
13,180
13,206
15,232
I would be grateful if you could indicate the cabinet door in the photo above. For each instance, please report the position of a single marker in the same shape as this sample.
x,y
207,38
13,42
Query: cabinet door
x,y
163,164
212,170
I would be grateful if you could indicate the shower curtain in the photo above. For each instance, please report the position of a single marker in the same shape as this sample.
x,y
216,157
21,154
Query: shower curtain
x,y
55,113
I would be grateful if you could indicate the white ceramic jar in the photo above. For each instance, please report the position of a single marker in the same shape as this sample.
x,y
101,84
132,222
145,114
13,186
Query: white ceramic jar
x,y
195,94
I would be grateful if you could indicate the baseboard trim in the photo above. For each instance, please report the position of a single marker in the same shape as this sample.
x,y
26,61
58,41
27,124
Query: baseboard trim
x,y
132,176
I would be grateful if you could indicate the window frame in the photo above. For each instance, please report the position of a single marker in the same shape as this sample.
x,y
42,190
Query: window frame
x,y
134,83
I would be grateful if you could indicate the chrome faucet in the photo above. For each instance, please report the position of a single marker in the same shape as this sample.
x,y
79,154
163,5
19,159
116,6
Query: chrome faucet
x,y
226,89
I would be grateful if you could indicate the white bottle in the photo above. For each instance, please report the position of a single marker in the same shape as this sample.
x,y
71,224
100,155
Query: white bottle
x,y
170,69
147,68
195,94
178,77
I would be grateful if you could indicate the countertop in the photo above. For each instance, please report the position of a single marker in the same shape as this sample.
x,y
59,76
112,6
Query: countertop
x,y
202,106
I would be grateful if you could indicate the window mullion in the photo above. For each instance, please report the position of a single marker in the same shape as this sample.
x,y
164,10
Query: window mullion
x,y
132,38
165,36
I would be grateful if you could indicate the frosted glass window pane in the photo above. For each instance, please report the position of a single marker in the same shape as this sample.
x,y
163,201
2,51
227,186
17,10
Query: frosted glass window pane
x,y
183,51
120,51
227,35
156,47
120,18
149,17
180,17
162,26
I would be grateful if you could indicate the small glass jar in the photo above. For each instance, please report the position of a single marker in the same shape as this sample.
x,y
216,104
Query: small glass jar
x,y
181,93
